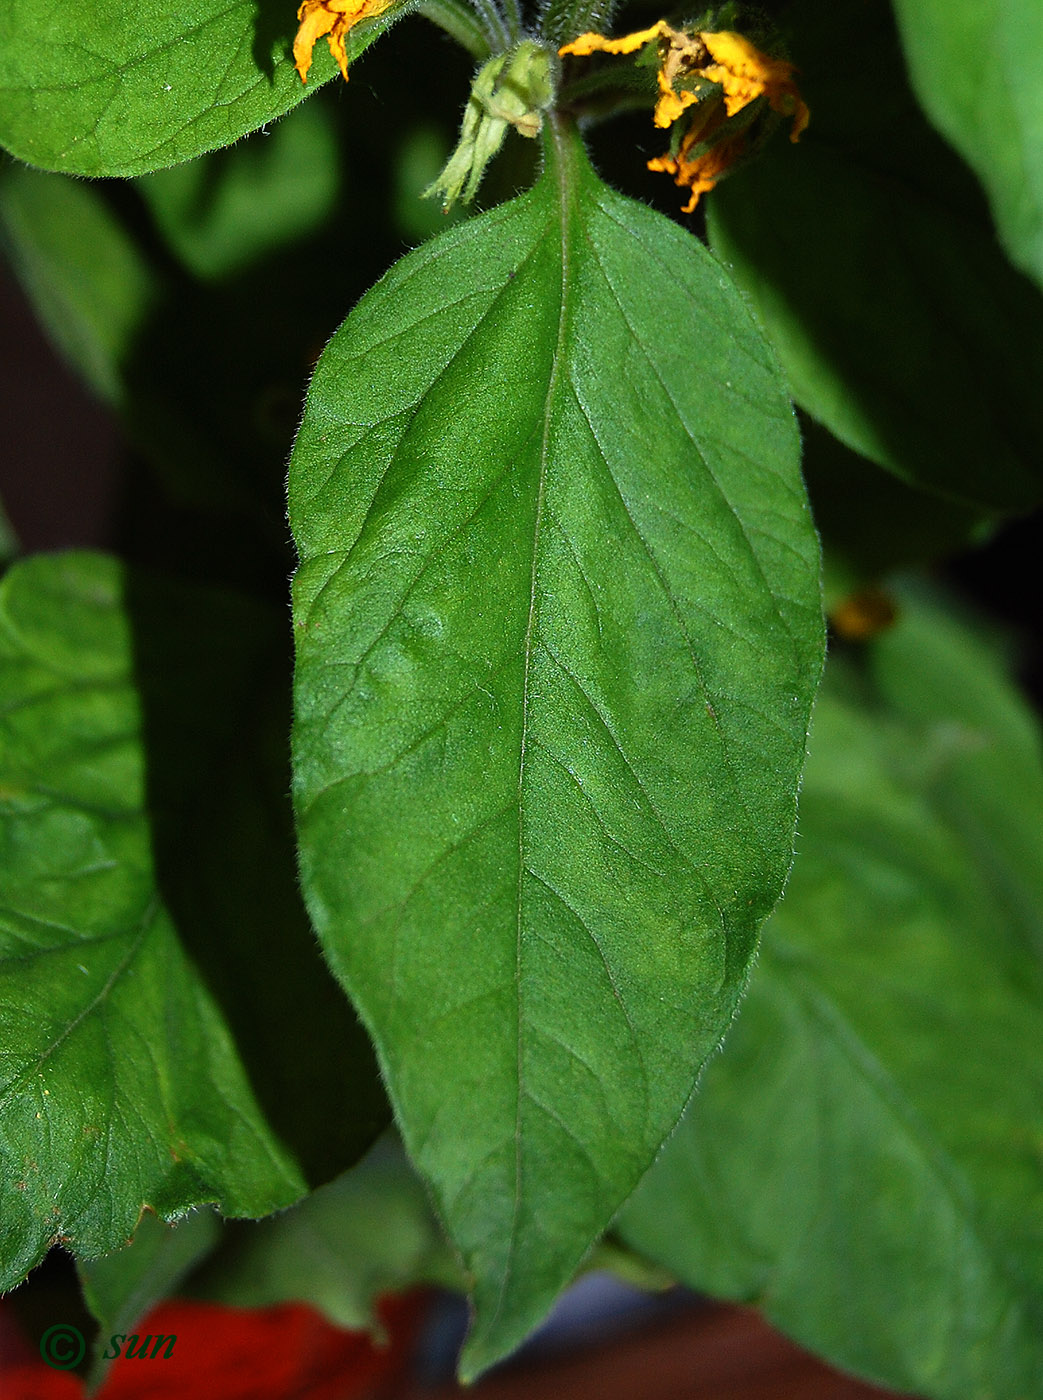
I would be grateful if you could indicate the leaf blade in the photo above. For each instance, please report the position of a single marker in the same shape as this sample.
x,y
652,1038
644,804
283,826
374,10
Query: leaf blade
x,y
991,112
127,1064
853,1163
137,89
486,805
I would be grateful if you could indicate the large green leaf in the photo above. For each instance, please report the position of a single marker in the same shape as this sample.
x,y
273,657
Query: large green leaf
x,y
863,1161
107,88
978,68
154,960
558,628
871,261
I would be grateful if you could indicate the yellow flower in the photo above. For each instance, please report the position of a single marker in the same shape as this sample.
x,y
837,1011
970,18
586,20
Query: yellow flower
x,y
746,74
863,615
717,75
701,172
679,55
335,19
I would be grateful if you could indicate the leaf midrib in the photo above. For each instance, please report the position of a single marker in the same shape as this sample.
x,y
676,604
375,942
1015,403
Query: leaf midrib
x,y
561,159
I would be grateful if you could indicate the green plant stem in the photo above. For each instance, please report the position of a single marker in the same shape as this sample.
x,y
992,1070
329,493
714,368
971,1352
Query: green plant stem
x,y
562,20
494,24
514,18
459,21
615,86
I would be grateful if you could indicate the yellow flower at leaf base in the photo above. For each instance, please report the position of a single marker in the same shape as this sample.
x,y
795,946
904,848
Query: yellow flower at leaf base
x,y
746,74
699,173
334,19
704,80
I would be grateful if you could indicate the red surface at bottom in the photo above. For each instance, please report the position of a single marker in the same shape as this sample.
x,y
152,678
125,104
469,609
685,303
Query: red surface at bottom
x,y
283,1353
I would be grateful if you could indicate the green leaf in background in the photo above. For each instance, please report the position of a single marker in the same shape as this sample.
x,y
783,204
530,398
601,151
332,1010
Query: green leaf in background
x,y
103,301
871,523
558,629
863,1161
120,1288
121,1086
144,1036
371,1231
216,721
990,789
89,284
869,256
221,214
106,88
131,333
148,339
976,65
8,539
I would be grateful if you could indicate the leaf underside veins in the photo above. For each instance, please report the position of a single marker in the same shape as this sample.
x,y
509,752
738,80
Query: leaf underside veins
x,y
122,1087
558,631
855,1163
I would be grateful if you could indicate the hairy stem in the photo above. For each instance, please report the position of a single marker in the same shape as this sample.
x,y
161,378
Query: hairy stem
x,y
462,24
562,20
494,24
514,18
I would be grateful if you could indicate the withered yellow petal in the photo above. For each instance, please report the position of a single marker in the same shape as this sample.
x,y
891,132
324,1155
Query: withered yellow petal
x,y
723,58
671,104
745,60
315,22
699,174
629,43
337,49
801,117
746,74
335,19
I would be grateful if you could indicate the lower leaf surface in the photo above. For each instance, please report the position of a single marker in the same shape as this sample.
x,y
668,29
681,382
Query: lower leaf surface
x,y
863,1159
558,628
141,1037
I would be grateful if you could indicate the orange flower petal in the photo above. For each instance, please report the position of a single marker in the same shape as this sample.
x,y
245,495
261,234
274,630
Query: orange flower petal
x,y
746,74
315,22
629,43
724,58
335,19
